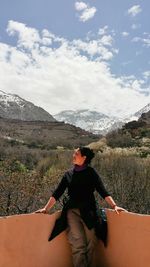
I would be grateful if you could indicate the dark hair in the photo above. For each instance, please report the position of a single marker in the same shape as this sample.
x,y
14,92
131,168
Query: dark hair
x,y
86,151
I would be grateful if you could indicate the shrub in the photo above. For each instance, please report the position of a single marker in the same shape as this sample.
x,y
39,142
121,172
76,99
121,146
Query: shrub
x,y
117,139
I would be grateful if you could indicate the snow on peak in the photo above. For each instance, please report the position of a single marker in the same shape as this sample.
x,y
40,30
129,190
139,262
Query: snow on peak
x,y
8,98
89,120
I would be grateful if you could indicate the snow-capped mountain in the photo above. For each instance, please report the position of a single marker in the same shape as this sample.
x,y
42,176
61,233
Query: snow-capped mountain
x,y
14,107
138,114
96,122
92,121
143,110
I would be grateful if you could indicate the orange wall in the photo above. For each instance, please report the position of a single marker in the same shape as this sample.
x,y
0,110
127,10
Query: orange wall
x,y
23,242
128,241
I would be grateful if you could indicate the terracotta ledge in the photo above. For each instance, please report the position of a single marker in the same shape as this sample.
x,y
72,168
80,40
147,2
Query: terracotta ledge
x,y
23,242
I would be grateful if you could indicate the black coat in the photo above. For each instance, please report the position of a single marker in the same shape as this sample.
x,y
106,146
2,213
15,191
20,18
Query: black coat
x,y
81,186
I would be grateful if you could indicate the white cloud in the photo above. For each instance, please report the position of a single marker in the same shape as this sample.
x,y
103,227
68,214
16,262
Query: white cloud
x,y
125,34
103,31
97,47
64,77
27,37
144,41
134,10
107,40
80,6
87,12
146,74
136,85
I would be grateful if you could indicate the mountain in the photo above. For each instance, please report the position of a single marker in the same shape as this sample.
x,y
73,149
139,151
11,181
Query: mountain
x,y
143,122
145,117
14,107
96,122
133,137
91,121
138,114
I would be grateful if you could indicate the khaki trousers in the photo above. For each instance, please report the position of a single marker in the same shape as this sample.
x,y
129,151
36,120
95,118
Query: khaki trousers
x,y
81,239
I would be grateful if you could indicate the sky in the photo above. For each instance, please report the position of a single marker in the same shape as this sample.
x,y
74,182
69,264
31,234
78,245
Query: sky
x,y
69,55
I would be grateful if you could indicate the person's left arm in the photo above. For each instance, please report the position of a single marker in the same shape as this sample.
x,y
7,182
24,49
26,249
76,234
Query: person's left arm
x,y
113,205
104,193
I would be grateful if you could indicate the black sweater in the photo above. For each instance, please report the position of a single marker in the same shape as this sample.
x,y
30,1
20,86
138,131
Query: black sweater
x,y
81,186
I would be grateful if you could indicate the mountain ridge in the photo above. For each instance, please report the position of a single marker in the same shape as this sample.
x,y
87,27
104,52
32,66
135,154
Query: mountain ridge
x,y
96,122
90,120
13,106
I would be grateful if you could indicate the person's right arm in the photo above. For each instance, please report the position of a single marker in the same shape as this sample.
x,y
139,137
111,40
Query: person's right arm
x,y
48,206
55,196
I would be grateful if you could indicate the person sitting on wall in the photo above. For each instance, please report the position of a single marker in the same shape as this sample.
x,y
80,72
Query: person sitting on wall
x,y
79,215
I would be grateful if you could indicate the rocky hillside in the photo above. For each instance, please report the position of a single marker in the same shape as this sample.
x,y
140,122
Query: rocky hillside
x,y
142,123
138,114
145,117
133,137
44,134
14,107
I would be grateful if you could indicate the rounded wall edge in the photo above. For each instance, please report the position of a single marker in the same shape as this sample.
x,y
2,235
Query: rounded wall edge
x,y
24,241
